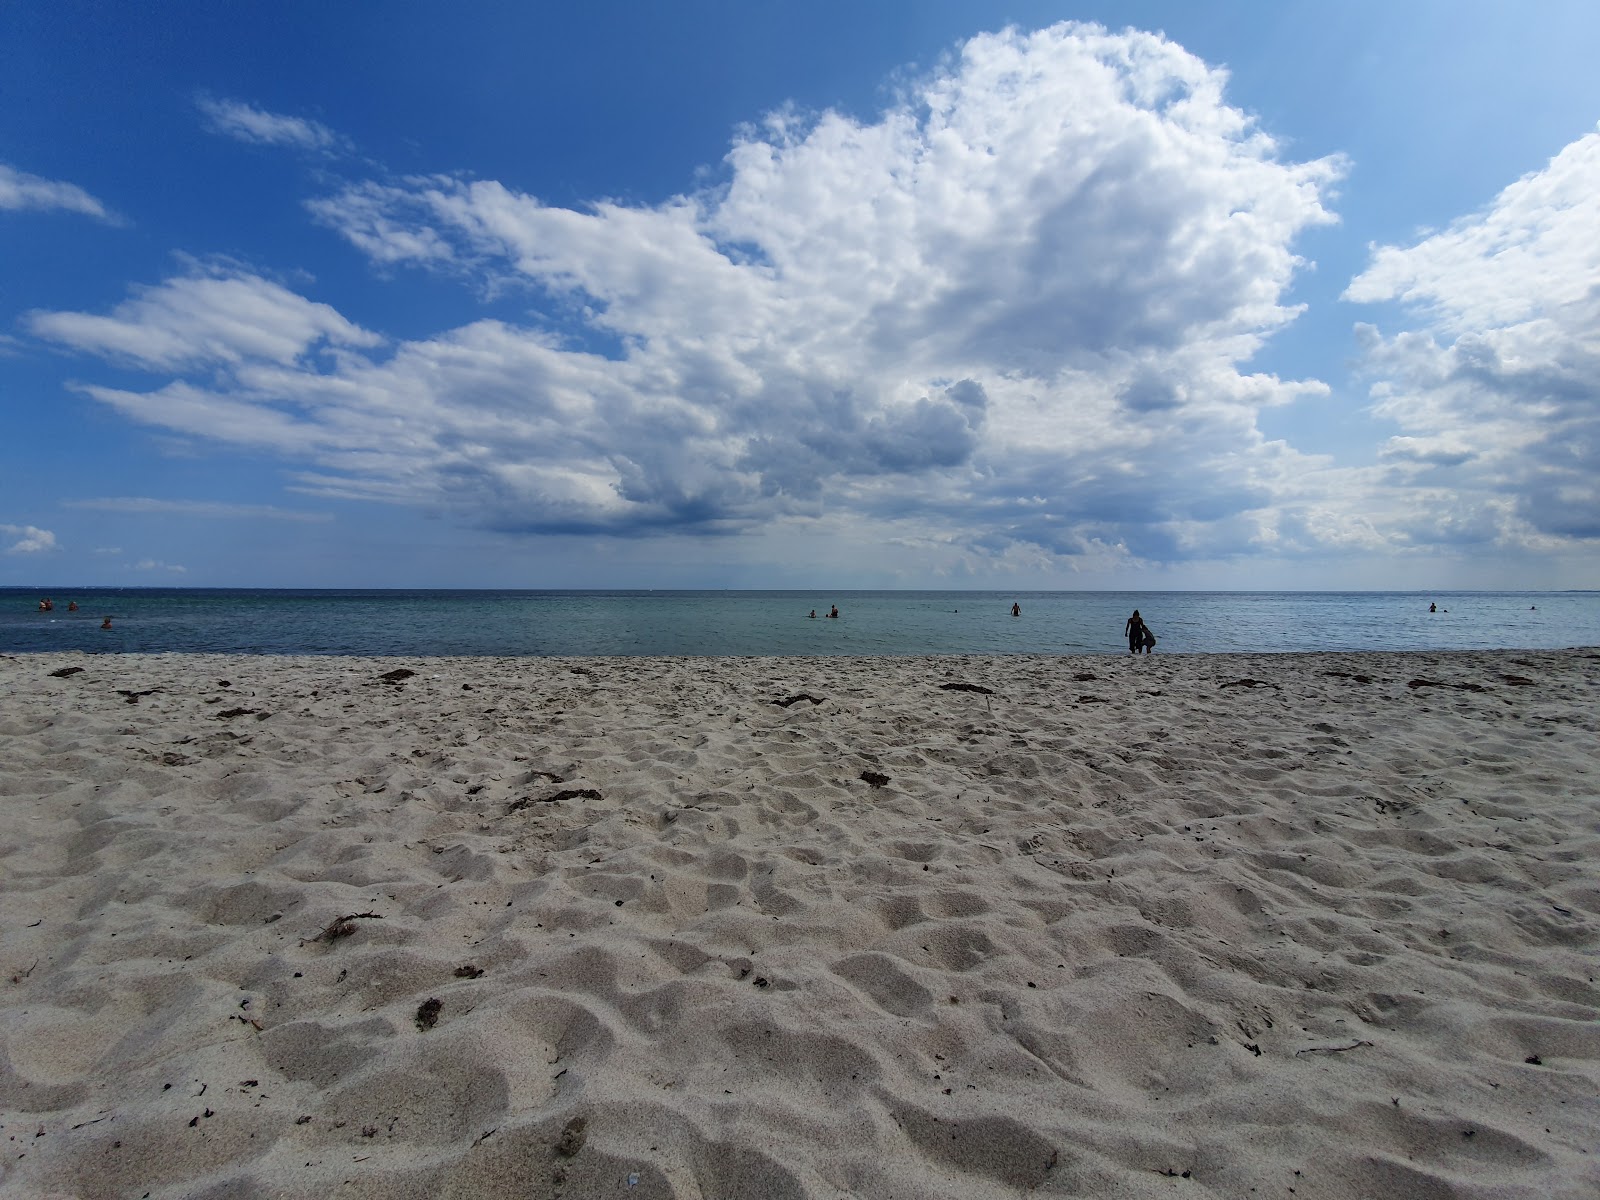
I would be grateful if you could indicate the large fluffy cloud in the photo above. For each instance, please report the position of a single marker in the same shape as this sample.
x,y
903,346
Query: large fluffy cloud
x,y
1498,388
1009,312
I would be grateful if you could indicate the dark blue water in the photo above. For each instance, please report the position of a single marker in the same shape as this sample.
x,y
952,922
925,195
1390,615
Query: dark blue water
x,y
155,620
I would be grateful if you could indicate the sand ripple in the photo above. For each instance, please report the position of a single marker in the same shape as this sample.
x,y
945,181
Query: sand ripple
x,y
1205,926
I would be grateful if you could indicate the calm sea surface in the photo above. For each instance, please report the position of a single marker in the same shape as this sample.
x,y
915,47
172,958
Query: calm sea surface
x,y
155,620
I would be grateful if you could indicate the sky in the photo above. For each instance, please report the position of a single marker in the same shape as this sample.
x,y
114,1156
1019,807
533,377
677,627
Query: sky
x,y
1015,295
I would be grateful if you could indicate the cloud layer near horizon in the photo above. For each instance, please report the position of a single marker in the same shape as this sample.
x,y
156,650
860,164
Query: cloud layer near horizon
x,y
1004,321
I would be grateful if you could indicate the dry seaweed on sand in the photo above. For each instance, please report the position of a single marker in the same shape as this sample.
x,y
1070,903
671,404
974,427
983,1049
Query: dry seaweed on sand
x,y
343,927
795,699
568,794
1414,684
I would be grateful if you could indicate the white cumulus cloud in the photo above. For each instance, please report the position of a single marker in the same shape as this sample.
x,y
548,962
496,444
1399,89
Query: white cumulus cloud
x,y
30,539
1009,315
1497,384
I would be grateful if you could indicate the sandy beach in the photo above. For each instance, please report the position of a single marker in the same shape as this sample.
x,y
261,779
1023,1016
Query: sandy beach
x,y
1220,926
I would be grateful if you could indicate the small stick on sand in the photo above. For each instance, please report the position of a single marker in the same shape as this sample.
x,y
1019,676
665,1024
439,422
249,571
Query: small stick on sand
x,y
343,927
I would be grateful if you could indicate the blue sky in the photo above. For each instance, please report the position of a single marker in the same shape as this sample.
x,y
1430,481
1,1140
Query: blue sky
x,y
1039,295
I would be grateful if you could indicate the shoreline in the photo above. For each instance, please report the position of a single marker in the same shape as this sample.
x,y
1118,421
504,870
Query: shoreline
x,y
934,926
998,656
777,624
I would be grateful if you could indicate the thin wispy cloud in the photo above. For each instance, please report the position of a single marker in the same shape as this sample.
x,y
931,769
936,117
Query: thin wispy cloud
x,y
387,223
247,123
211,509
205,318
20,191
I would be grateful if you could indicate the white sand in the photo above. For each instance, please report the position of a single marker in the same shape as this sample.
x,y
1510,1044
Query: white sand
x,y
1123,928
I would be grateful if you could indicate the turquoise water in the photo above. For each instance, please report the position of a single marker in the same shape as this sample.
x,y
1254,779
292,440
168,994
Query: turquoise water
x,y
775,623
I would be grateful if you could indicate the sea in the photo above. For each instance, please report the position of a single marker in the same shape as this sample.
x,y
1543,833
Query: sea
x,y
745,623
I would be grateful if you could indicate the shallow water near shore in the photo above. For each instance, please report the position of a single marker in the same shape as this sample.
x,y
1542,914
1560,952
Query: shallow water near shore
x,y
761,623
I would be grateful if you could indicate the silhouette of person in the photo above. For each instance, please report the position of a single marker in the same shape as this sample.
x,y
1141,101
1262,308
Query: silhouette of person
x,y
1134,629
1016,610
106,624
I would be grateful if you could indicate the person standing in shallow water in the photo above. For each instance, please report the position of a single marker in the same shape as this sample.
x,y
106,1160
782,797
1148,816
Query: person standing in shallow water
x,y
1135,631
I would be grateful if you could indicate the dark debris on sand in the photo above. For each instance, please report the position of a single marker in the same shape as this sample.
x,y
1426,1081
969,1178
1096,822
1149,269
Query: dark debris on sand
x,y
428,1013
572,1138
1465,687
229,714
344,926
568,794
